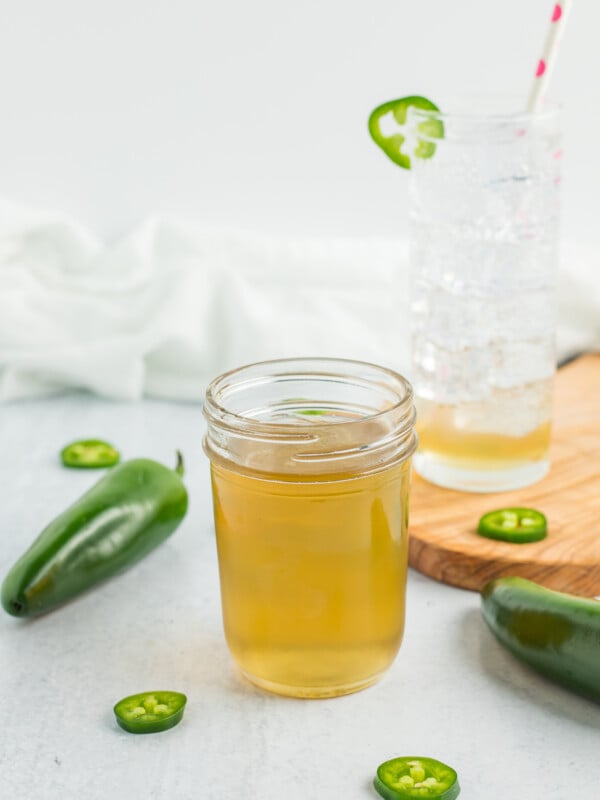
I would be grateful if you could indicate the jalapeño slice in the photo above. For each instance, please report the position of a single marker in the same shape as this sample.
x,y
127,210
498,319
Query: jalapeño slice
x,y
518,525
89,454
393,143
416,776
150,712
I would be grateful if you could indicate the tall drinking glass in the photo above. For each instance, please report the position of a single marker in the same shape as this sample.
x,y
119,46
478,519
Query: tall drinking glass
x,y
484,250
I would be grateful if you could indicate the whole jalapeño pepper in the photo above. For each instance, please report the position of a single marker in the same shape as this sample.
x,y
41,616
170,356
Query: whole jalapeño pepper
x,y
557,634
124,516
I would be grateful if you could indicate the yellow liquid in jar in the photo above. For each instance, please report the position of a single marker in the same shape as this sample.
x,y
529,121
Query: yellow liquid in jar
x,y
313,576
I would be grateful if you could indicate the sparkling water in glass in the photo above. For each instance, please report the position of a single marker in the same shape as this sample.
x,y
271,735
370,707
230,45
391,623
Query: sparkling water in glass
x,y
484,250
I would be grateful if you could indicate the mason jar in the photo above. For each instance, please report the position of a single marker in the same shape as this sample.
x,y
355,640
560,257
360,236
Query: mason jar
x,y
310,467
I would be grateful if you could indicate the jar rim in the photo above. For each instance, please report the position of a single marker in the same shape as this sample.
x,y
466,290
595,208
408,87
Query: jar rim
x,y
364,419
214,410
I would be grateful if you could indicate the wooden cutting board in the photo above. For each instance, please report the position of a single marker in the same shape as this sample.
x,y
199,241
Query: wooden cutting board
x,y
443,541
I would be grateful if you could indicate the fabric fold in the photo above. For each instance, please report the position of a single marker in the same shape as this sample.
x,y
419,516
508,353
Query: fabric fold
x,y
171,305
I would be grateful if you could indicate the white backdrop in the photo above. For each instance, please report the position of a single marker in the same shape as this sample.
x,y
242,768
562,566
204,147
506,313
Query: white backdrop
x,y
253,114
123,119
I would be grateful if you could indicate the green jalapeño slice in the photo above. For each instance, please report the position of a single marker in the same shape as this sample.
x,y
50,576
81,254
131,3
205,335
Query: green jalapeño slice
x,y
518,525
415,776
89,454
150,712
393,142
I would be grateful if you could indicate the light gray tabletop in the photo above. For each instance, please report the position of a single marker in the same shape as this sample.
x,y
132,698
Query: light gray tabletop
x,y
453,692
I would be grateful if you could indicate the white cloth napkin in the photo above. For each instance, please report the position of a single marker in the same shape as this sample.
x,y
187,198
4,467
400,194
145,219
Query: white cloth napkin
x,y
170,306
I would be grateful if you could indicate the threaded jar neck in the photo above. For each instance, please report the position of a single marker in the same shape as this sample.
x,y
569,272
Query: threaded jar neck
x,y
326,418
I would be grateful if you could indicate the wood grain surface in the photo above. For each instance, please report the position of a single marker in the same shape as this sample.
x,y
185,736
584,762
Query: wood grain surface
x,y
443,541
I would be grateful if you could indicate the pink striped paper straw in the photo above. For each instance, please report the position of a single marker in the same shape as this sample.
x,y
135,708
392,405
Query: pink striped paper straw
x,y
546,62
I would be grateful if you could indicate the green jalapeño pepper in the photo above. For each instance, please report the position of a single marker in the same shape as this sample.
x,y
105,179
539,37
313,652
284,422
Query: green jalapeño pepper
x,y
89,454
392,143
150,712
517,525
128,513
555,633
414,776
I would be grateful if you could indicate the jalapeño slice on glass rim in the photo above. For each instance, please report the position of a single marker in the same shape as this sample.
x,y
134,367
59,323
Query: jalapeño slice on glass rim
x,y
416,776
89,454
518,525
150,712
393,143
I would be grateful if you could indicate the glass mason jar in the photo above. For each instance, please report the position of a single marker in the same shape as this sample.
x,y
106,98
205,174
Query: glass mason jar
x,y
310,468
484,215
